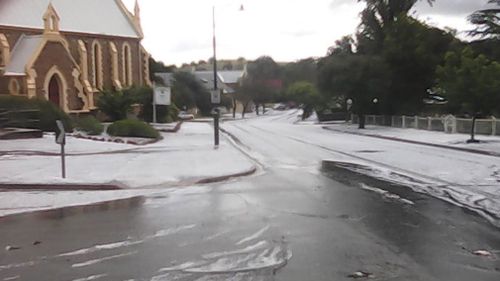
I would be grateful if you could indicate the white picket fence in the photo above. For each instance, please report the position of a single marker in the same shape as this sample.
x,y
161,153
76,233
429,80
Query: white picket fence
x,y
448,124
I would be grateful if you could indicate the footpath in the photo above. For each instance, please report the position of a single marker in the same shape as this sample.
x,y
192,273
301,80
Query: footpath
x,y
30,169
488,145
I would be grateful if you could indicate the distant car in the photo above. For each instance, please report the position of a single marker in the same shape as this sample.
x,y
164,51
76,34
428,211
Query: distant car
x,y
280,106
183,115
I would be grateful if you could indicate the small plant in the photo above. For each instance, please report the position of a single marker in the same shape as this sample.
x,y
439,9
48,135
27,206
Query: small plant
x,y
132,128
90,125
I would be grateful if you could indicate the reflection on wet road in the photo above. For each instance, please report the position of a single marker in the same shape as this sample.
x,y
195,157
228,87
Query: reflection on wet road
x,y
281,225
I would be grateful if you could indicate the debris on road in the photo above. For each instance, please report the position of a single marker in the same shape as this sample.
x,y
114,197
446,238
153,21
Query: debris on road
x,y
482,253
12,248
360,274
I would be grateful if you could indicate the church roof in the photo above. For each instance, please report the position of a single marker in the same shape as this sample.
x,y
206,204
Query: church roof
x,y
103,17
21,54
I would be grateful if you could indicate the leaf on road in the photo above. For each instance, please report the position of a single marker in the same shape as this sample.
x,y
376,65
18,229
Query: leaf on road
x,y
360,274
482,253
12,248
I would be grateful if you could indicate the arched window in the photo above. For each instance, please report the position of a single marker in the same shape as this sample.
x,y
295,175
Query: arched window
x,y
97,74
127,65
4,50
14,87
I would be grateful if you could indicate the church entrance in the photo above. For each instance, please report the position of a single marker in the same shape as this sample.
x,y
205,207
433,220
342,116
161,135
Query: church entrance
x,y
55,90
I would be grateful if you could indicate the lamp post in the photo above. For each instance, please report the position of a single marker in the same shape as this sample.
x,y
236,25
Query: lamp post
x,y
216,110
216,94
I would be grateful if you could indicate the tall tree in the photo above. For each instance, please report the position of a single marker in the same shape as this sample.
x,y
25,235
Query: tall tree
x,y
305,93
260,77
487,21
188,92
471,83
376,18
361,78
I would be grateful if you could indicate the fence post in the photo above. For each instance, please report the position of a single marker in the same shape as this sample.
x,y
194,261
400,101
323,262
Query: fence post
x,y
404,122
392,121
493,126
416,122
429,124
454,125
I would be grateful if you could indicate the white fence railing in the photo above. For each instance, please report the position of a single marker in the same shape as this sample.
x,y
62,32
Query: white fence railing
x,y
448,124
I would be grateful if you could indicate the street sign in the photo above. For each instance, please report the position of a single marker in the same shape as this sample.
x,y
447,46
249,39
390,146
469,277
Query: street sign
x,y
61,139
61,134
215,96
162,95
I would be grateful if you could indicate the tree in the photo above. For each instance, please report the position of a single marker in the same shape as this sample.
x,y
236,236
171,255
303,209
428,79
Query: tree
x,y
302,70
471,83
487,21
376,18
304,93
188,92
342,46
361,78
156,67
115,104
260,77
412,50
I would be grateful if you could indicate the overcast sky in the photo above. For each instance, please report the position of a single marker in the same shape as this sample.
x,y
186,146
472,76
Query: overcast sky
x,y
178,31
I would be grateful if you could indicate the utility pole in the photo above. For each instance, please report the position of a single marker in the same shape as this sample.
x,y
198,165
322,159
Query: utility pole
x,y
216,111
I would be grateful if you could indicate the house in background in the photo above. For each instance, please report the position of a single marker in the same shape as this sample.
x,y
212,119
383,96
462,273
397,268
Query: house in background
x,y
67,51
227,80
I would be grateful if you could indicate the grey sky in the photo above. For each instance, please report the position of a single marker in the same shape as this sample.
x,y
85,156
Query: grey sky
x,y
178,31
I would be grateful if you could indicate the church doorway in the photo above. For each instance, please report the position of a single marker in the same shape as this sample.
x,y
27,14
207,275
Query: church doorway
x,y
55,90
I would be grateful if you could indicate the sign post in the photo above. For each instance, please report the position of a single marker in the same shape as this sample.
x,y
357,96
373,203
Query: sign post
x,y
161,96
61,139
215,98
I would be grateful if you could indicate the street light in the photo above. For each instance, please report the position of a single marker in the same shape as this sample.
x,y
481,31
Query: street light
x,y
216,101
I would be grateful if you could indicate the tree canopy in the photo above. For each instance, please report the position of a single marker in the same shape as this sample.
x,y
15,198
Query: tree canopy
x,y
470,82
487,21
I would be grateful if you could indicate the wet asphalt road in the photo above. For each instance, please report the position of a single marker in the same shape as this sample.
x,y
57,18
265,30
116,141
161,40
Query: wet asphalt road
x,y
284,223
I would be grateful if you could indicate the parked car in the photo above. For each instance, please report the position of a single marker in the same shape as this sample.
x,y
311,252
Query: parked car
x,y
184,115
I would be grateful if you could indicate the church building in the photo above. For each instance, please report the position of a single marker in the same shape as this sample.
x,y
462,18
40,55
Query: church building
x,y
67,51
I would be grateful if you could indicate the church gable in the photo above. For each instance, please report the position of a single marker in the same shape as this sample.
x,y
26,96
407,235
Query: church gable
x,y
98,17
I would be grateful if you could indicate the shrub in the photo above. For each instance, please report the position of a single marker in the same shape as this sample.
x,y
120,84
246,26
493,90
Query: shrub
x,y
132,128
115,105
43,119
90,125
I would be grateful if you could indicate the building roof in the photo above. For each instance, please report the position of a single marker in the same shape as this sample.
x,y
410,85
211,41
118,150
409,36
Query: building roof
x,y
206,78
230,76
103,17
21,54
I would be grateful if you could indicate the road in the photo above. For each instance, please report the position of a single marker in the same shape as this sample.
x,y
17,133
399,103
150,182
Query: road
x,y
289,222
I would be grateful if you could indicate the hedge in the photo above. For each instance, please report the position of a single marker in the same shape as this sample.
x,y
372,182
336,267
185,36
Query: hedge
x,y
44,118
132,128
90,125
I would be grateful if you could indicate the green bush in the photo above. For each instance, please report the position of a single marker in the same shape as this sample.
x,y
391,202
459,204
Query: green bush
x,y
115,105
90,125
132,128
44,118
